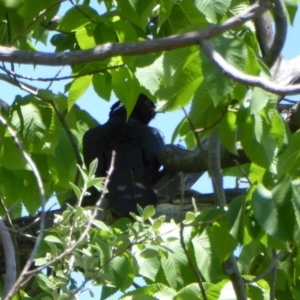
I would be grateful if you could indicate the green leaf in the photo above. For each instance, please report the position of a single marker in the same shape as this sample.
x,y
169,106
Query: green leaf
x,y
259,100
124,31
214,10
291,9
31,118
182,78
12,3
137,11
96,182
151,292
11,157
78,88
45,283
149,253
235,218
164,11
184,16
102,84
93,167
76,17
252,65
118,267
76,190
248,255
62,161
259,145
235,53
31,191
85,36
107,291
256,173
124,80
148,267
277,128
207,260
171,270
52,239
202,104
148,212
191,292
289,161
104,33
228,131
150,71
83,175
274,210
214,291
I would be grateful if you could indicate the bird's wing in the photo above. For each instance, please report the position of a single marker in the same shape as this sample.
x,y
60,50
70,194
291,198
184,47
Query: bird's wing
x,y
94,147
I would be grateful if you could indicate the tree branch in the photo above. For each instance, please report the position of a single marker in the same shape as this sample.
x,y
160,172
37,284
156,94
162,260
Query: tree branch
x,y
264,31
240,77
109,50
10,259
280,34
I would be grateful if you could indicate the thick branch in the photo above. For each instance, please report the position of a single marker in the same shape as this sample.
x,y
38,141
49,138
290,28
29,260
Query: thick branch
x,y
179,159
115,49
10,259
240,77
280,34
264,32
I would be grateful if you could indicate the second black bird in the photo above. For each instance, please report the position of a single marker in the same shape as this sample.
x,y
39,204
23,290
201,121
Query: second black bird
x,y
136,145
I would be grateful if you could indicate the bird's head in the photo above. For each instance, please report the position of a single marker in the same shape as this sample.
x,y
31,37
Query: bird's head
x,y
143,111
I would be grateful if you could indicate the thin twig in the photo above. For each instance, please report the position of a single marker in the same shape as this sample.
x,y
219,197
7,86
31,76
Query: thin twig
x,y
43,202
52,79
99,204
243,171
214,164
215,123
83,13
215,169
273,277
268,269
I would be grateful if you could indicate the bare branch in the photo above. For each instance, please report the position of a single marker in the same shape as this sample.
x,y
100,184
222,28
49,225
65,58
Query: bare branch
x,y
235,277
108,50
10,259
264,31
280,34
215,170
240,77
273,277
52,79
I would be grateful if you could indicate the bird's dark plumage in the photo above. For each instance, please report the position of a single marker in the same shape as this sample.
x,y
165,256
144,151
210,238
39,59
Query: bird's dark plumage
x,y
135,167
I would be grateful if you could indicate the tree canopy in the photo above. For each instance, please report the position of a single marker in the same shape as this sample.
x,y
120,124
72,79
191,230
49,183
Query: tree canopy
x,y
218,60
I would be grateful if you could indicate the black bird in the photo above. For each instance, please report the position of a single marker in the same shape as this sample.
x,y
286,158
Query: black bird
x,y
135,166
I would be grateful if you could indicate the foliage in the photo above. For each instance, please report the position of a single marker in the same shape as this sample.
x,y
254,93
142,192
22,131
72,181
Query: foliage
x,y
262,226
